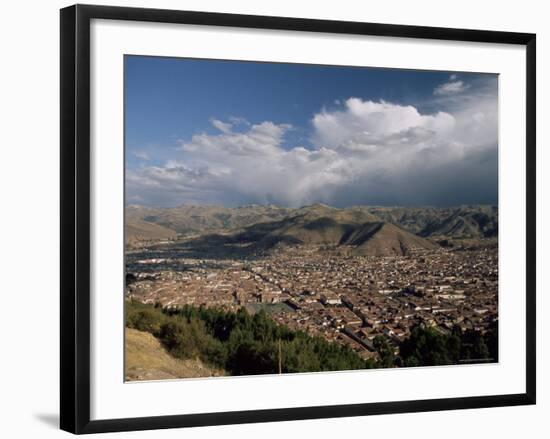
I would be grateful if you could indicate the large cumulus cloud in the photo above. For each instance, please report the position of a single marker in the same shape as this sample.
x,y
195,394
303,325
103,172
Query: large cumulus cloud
x,y
363,152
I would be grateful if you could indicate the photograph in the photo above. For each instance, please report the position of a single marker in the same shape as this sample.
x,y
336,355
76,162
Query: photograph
x,y
289,218
273,219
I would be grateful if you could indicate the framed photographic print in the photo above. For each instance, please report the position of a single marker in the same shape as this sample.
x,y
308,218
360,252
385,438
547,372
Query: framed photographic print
x,y
268,218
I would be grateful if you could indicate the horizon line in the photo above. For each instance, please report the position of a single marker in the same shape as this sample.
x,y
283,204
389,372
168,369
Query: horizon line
x,y
416,206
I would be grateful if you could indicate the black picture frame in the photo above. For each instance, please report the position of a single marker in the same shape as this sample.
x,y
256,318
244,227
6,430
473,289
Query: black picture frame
x,y
75,217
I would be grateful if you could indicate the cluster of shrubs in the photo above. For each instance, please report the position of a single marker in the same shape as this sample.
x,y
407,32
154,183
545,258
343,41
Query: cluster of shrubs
x,y
429,347
245,344
240,343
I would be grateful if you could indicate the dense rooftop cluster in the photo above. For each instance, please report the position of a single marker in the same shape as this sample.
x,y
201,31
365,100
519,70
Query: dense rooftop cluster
x,y
345,299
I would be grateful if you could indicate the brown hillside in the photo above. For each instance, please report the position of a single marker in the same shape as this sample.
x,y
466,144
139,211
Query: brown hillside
x,y
147,360
451,222
371,238
384,239
191,220
138,231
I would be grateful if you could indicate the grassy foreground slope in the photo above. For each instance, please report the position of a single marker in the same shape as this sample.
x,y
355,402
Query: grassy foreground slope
x,y
146,359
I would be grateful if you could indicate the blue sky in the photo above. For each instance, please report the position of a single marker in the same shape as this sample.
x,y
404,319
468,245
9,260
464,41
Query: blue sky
x,y
306,133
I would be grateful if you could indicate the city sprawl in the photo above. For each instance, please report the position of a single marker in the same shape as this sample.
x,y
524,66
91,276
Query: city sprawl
x,y
329,292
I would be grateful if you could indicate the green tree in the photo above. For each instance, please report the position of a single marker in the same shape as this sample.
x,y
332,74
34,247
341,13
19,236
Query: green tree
x,y
385,351
428,347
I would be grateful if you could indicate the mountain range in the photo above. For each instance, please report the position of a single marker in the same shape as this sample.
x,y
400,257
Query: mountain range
x,y
369,230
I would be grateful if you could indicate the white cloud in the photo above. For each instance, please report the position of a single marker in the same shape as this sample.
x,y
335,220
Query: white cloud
x,y
368,122
260,140
222,126
238,120
142,155
363,152
453,86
